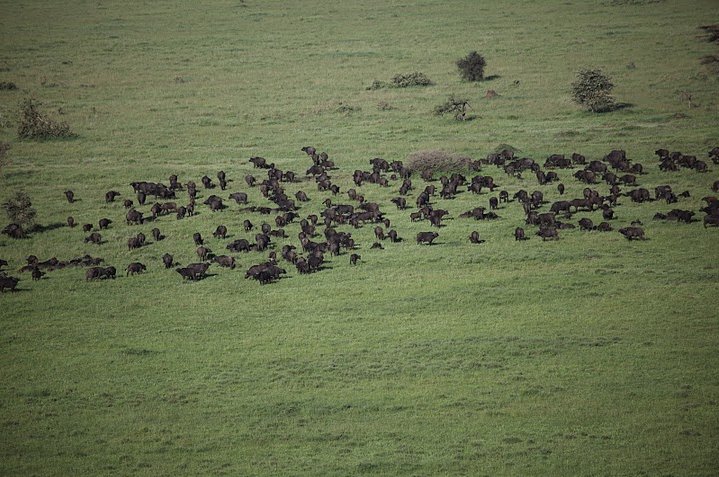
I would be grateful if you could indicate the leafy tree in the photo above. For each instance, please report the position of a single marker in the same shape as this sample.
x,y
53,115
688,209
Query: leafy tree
x,y
454,105
36,125
471,67
592,89
20,211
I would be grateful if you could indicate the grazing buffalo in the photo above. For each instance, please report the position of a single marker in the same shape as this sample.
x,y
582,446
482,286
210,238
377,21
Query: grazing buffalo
x,y
8,283
133,243
94,237
604,227
711,221
110,195
37,274
680,215
220,232
133,217
493,203
353,258
157,235
70,196
104,223
240,245
393,237
14,231
86,227
198,270
474,237
239,197
633,233
426,237
186,273
548,233
586,224
203,252
167,259
181,212
197,238
71,222
377,245
225,261
301,196
134,268
519,234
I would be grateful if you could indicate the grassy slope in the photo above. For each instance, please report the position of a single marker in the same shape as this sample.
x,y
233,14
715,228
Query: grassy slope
x,y
582,357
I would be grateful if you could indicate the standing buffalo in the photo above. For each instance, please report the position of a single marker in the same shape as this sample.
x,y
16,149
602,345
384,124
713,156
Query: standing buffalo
x,y
633,233
8,283
220,232
167,259
134,268
426,237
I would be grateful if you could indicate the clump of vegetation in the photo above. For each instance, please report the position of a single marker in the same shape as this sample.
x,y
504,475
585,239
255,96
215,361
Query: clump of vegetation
x,y
7,85
36,125
4,159
428,163
456,106
347,109
20,211
593,90
471,67
712,32
407,80
384,106
415,78
711,62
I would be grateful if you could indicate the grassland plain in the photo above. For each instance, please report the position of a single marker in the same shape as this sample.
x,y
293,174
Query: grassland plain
x,y
588,356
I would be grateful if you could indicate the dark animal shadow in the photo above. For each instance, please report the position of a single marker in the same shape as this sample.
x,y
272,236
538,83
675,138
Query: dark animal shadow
x,y
46,228
620,106
491,77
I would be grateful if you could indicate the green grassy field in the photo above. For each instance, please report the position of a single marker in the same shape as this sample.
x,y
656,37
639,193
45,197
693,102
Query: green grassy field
x,y
590,355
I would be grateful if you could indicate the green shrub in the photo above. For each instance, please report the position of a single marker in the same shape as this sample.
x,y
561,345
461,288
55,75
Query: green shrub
x,y
454,105
20,211
592,89
411,79
471,67
35,125
428,163
407,80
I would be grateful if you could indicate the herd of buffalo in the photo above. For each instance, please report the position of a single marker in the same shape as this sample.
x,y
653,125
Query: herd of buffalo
x,y
319,234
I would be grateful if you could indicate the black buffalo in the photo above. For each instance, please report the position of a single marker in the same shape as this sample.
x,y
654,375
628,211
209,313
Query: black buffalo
x,y
426,237
633,233
135,267
8,283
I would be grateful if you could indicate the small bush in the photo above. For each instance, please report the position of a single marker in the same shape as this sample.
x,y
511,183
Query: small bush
x,y
7,85
411,79
427,163
377,84
347,109
454,105
20,211
4,159
592,89
471,67
712,32
384,106
35,125
402,81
